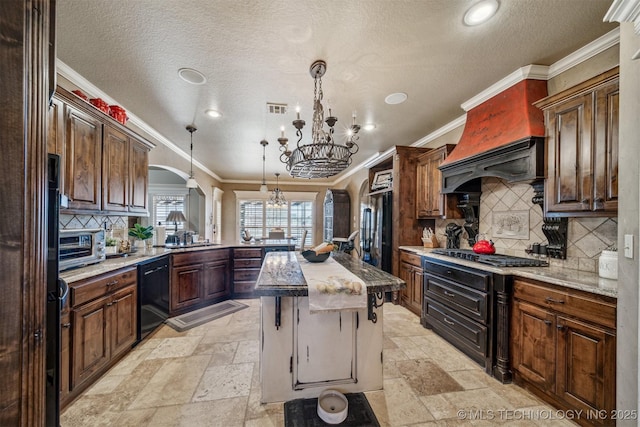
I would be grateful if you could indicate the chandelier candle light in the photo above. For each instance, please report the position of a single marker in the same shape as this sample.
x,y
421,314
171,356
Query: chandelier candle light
x,y
191,182
277,197
322,157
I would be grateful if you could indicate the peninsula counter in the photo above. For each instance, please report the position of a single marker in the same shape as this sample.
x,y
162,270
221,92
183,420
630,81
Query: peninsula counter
x,y
302,354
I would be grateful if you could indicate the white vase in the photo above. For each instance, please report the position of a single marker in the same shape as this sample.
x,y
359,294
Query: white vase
x,y
140,244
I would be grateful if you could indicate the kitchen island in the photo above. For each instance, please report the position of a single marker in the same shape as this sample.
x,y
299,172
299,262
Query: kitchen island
x,y
303,352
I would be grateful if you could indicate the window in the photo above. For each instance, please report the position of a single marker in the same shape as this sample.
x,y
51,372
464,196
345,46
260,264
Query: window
x,y
162,205
255,216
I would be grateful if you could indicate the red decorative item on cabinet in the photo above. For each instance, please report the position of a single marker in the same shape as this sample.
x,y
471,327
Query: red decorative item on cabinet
x,y
100,104
80,94
118,113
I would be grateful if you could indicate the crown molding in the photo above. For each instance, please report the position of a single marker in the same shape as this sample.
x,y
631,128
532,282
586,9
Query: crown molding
x,y
75,78
455,123
534,72
588,51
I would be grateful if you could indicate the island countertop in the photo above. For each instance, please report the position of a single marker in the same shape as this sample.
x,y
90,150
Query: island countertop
x,y
281,275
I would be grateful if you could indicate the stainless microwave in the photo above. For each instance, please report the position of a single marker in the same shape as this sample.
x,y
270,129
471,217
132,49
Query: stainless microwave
x,y
80,247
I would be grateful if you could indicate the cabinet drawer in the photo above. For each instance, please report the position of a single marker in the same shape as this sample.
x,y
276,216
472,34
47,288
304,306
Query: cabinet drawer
x,y
247,253
243,287
410,258
476,279
96,287
461,331
247,263
241,274
198,257
595,308
468,301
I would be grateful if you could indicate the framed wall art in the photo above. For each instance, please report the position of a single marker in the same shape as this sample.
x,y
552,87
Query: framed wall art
x,y
510,225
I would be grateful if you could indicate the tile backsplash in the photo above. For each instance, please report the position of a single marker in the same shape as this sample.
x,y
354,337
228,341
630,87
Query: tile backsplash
x,y
92,221
587,237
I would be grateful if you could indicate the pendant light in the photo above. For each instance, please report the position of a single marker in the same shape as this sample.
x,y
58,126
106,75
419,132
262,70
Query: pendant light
x,y
191,182
263,188
277,197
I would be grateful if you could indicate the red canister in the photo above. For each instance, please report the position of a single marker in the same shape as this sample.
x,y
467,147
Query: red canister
x,y
80,94
100,104
118,113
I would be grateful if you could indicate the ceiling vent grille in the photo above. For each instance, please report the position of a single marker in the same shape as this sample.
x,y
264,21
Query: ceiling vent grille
x,y
273,108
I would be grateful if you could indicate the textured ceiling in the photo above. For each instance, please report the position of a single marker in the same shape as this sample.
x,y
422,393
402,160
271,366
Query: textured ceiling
x,y
254,52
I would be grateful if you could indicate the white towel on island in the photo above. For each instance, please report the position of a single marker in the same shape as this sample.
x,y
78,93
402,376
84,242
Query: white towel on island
x,y
332,287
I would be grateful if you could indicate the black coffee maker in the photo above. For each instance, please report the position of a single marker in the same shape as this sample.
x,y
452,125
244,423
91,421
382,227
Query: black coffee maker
x,y
453,232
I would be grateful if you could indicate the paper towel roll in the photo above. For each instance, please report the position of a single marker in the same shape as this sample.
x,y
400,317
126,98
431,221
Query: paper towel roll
x,y
161,235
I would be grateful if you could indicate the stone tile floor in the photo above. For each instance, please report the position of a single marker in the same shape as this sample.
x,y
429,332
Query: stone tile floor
x,y
209,376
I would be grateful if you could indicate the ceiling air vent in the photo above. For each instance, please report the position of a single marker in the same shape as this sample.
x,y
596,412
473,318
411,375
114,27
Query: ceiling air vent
x,y
273,108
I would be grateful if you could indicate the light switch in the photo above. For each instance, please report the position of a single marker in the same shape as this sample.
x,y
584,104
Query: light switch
x,y
628,245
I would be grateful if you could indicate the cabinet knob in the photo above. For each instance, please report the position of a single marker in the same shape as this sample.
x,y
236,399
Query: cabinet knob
x,y
66,325
448,322
449,294
547,322
554,301
560,327
585,201
109,304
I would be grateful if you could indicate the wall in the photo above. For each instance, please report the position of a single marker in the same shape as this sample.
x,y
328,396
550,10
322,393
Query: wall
x,y
629,218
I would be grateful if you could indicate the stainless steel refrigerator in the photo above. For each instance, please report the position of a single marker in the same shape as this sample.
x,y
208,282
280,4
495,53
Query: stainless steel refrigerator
x,y
377,231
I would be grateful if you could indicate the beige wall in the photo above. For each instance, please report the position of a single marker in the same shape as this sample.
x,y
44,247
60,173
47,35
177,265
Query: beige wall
x,y
628,218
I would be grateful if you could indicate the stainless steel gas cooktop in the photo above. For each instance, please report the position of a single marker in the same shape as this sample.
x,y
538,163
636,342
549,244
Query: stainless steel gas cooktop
x,y
493,260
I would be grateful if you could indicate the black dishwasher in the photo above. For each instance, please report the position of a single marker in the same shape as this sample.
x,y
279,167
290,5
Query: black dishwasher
x,y
153,295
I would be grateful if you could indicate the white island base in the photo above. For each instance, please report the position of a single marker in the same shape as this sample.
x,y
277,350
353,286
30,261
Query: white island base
x,y
308,353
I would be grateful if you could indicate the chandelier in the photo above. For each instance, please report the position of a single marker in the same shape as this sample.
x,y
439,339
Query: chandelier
x,y
277,196
322,157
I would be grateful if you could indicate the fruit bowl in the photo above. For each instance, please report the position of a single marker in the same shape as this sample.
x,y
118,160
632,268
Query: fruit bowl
x,y
311,256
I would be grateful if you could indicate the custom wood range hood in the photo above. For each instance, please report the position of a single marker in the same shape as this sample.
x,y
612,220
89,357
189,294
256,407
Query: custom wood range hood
x,y
503,137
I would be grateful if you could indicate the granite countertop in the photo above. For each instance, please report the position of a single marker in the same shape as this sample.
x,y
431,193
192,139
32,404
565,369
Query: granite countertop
x,y
136,258
288,280
574,279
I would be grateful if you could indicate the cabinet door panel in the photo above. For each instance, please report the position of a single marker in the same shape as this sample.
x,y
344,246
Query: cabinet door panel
x,y
313,360
186,286
91,342
123,319
139,176
533,344
115,167
606,148
586,354
83,158
216,282
572,155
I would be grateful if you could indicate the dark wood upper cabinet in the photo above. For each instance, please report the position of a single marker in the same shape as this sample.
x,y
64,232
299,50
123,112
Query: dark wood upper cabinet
x,y
115,167
582,148
430,202
106,165
83,158
337,211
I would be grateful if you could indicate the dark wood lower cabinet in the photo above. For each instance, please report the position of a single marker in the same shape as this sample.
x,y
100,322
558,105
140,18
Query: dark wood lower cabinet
x,y
411,272
564,349
99,329
198,279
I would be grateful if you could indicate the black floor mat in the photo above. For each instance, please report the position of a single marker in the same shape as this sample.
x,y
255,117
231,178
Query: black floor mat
x,y
304,413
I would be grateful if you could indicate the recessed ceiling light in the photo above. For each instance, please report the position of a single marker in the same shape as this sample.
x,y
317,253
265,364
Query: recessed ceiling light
x,y
192,76
396,98
481,12
369,127
213,113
